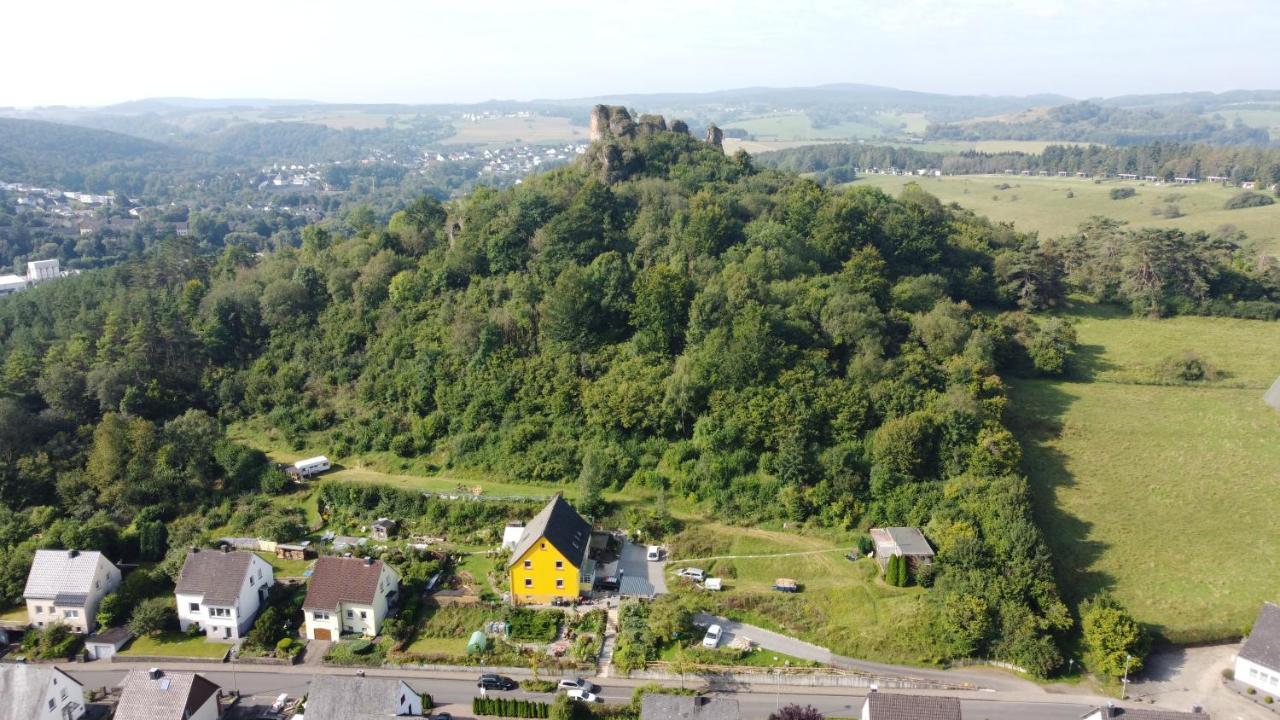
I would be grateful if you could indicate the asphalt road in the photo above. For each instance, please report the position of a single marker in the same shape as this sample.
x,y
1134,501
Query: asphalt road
x,y
754,704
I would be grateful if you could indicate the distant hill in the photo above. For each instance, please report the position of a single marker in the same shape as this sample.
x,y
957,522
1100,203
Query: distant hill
x,y
184,104
43,152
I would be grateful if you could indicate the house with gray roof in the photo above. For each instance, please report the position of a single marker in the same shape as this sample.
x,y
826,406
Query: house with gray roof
x,y
551,561
221,591
893,706
1258,662
39,692
66,586
1112,711
659,706
157,694
335,697
908,542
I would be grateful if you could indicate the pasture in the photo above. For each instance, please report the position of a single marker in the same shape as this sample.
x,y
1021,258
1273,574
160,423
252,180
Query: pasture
x,y
1057,206
539,129
1160,494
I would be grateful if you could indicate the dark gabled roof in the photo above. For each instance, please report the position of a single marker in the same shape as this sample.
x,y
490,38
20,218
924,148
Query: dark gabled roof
x,y
910,541
216,575
561,526
116,636
171,696
342,580
658,706
890,706
1119,713
1263,645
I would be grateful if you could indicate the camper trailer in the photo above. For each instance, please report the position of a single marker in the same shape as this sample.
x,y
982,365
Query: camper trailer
x,y
311,466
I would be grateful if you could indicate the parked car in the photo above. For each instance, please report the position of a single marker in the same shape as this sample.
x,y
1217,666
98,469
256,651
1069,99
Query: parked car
x,y
712,638
654,553
578,684
490,681
584,696
442,716
694,574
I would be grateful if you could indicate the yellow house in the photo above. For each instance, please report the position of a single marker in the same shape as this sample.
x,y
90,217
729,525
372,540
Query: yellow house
x,y
550,560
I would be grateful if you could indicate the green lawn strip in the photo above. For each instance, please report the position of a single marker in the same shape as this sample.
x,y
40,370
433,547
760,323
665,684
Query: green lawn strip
x,y
17,614
174,644
438,646
285,568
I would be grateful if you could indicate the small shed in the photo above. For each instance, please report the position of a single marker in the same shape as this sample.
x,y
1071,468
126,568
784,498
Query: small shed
x,y
478,643
908,542
292,551
383,529
106,643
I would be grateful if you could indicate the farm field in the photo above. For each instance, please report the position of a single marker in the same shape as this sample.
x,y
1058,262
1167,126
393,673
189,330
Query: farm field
x,y
796,126
1125,473
514,130
1042,204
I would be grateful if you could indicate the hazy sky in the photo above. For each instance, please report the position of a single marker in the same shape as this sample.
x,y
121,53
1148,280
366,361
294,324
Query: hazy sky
x,y
78,52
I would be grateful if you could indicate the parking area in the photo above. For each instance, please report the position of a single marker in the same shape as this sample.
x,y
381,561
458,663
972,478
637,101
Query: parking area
x,y
641,577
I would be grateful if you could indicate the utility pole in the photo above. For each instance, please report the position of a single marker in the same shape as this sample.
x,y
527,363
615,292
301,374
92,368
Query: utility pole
x,y
1124,683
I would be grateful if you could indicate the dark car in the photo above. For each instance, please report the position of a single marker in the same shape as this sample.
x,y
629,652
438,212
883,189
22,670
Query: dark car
x,y
489,681
442,716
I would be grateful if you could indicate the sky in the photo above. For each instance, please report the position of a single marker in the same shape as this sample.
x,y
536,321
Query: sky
x,y
75,52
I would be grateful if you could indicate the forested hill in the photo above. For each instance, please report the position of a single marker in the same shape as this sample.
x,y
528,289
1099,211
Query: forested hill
x,y
75,157
657,315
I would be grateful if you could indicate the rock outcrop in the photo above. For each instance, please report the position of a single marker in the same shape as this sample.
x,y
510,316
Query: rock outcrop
x,y
680,126
614,152
611,121
715,136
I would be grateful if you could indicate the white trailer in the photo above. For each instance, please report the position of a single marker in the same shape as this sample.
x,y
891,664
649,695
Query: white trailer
x,y
312,466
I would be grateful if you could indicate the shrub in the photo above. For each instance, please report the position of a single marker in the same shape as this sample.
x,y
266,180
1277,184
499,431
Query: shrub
x,y
360,646
53,642
796,712
529,624
1187,367
153,615
1251,691
538,686
1248,199
1228,673
1121,193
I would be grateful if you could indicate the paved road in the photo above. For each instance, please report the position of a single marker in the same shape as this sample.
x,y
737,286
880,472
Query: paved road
x,y
976,677
455,694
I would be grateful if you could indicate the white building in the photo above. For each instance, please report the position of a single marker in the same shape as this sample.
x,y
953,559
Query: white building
x,y
220,592
40,270
66,586
10,284
39,692
1258,663
361,698
348,596
165,695
1111,711
107,643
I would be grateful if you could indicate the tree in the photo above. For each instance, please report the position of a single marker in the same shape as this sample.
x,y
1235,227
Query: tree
x,y
796,712
153,615
152,540
1114,642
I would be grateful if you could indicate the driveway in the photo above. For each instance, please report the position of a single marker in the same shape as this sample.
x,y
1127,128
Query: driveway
x,y
1178,678
640,576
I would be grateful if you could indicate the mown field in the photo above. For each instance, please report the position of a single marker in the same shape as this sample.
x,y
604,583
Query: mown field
x,y
1161,494
513,130
1043,204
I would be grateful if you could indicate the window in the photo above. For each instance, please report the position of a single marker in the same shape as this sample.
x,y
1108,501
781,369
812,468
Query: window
x,y
350,614
195,607
50,703
317,615
250,582
39,610
528,582
559,582
72,613
559,564
544,546
1253,672
64,693
363,615
528,564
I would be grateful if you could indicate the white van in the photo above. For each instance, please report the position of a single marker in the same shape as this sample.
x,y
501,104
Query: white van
x,y
712,638
654,553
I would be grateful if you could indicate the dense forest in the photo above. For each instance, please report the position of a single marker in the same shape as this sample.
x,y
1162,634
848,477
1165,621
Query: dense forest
x,y
839,162
658,316
1091,122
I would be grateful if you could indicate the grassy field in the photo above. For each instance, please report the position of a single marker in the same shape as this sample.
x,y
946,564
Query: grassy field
x,y
761,657
286,568
1042,204
842,605
176,645
1160,494
513,130
438,646
796,126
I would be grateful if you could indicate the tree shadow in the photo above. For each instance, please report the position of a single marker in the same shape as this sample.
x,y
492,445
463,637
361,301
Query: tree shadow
x,y
1087,363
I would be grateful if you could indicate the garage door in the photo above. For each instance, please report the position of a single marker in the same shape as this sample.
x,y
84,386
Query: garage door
x,y
323,634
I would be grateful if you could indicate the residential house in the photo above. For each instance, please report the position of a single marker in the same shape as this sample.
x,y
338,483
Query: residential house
x,y
1258,662
334,697
168,695
39,692
551,560
66,586
658,706
1113,712
908,542
891,706
220,592
107,643
348,595
383,529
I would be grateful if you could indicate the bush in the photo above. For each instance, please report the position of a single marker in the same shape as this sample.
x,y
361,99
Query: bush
x,y
543,625
153,615
796,712
1121,193
1248,199
538,686
1228,674
1187,367
53,642
360,646
515,708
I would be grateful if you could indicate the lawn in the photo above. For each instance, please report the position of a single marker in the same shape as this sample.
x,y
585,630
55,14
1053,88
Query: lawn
x,y
175,644
478,566
1160,494
1042,204
17,614
286,568
760,657
438,646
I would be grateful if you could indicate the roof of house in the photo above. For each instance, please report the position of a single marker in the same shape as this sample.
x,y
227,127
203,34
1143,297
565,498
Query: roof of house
x,y
337,580
64,576
1118,713
1263,645
171,696
218,576
333,697
890,706
384,523
23,689
115,637
910,541
658,706
561,525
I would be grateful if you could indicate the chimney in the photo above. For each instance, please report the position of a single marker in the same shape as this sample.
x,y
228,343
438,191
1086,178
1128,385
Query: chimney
x,y
700,700
226,548
195,548
154,673
73,553
368,561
